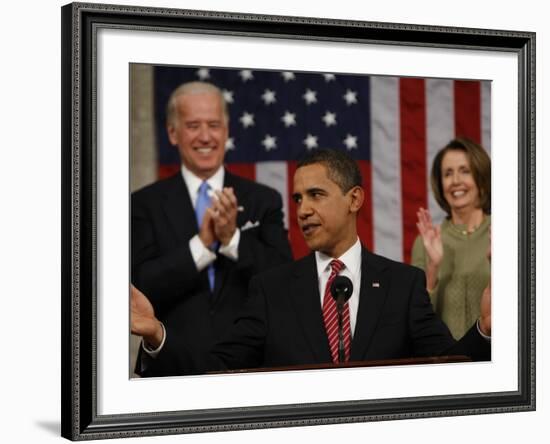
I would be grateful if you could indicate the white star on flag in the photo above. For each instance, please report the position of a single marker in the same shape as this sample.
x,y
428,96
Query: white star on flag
x,y
329,77
310,96
247,119
228,96
289,119
269,142
329,118
287,75
350,142
246,75
269,97
310,142
229,144
350,97
203,73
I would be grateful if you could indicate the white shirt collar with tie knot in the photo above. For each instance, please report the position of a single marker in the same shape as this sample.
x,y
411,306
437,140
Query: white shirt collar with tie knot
x,y
352,269
194,182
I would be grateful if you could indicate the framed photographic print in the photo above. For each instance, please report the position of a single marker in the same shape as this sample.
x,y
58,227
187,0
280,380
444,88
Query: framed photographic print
x,y
400,92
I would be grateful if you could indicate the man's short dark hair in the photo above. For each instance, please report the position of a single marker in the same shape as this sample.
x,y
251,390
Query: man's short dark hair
x,y
341,168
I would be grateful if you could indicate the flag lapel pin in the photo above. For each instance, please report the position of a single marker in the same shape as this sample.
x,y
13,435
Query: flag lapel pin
x,y
376,284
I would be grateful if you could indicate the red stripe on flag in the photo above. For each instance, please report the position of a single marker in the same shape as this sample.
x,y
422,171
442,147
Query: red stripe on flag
x,y
413,157
468,109
364,219
297,242
246,170
167,170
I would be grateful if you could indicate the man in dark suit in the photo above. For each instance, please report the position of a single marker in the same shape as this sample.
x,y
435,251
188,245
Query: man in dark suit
x,y
289,320
199,236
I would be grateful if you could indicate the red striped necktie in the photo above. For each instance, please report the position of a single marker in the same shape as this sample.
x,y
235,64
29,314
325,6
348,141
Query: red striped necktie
x,y
330,317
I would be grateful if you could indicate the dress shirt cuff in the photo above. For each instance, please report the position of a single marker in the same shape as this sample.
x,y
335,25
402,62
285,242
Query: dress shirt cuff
x,y
153,353
202,256
487,338
231,250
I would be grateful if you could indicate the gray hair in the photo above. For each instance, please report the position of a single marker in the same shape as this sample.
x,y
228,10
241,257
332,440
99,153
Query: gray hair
x,y
193,88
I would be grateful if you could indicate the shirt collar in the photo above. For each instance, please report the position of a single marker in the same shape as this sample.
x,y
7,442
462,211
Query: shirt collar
x,y
351,259
193,182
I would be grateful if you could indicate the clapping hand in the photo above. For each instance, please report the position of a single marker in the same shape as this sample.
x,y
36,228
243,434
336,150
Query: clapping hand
x,y
224,214
207,234
431,237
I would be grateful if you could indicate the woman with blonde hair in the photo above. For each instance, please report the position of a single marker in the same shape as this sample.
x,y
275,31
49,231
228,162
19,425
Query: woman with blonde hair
x,y
455,254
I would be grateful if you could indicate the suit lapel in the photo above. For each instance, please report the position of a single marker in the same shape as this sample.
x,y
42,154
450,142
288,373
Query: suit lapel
x,y
180,213
240,188
304,292
374,288
179,210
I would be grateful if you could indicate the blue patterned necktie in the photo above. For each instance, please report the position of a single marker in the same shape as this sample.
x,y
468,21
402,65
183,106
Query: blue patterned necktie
x,y
203,202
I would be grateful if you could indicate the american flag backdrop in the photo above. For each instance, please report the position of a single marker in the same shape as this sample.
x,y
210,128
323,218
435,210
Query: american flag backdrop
x,y
392,126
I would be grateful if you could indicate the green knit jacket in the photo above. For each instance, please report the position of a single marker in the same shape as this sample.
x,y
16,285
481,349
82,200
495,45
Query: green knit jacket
x,y
463,274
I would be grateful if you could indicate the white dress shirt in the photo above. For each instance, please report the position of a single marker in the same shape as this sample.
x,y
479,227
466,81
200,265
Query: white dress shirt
x,y
352,270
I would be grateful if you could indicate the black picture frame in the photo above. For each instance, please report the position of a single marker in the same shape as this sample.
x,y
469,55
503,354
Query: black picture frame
x,y
80,22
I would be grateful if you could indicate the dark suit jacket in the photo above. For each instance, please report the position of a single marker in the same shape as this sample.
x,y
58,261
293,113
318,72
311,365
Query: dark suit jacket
x,y
283,323
163,222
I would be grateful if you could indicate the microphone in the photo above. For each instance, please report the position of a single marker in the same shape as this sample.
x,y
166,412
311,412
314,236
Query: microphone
x,y
341,290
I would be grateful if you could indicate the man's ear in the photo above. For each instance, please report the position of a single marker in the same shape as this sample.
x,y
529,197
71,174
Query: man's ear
x,y
357,195
171,130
